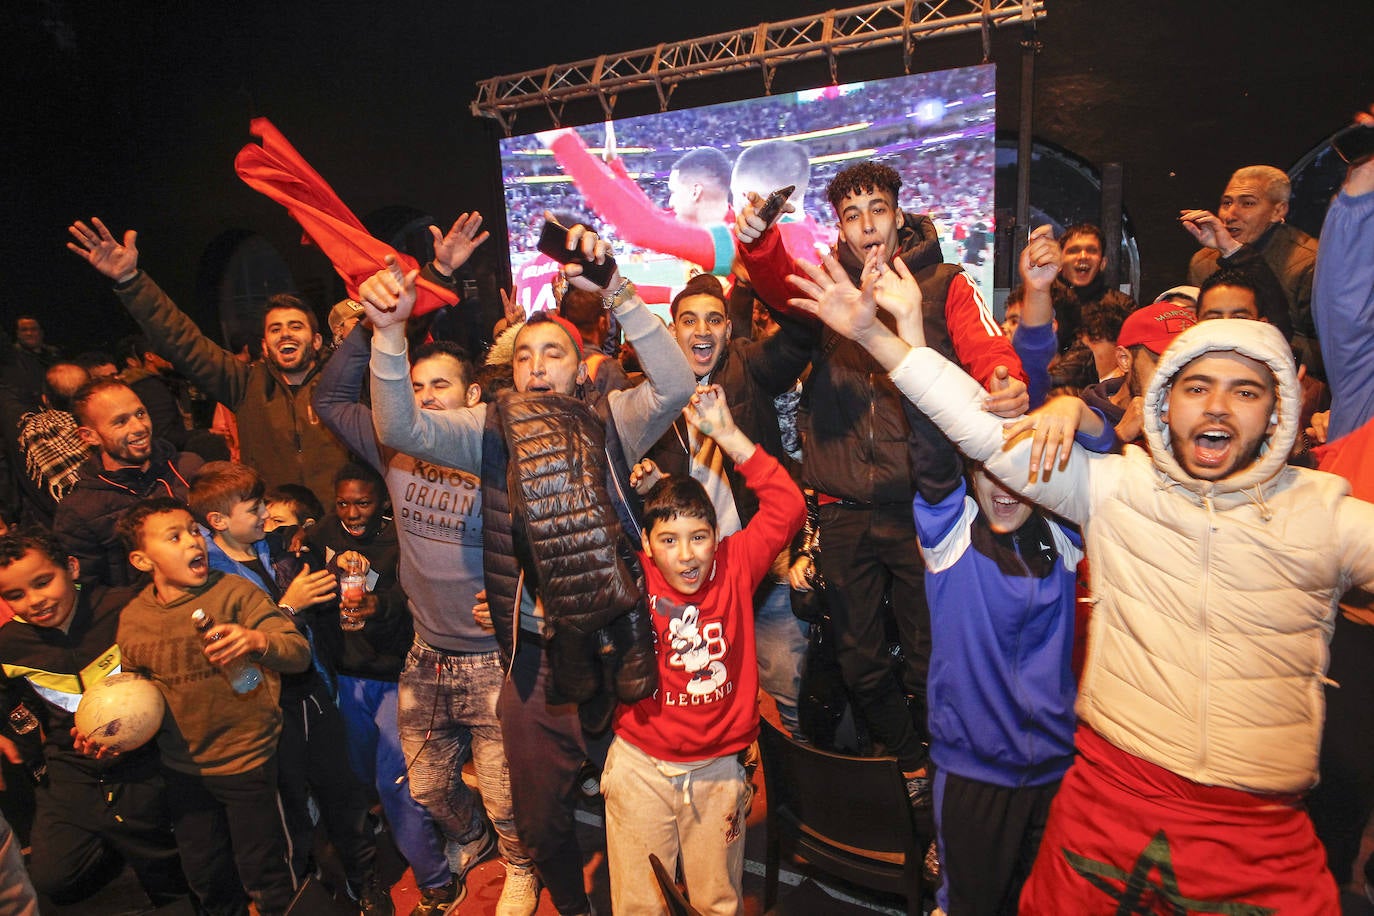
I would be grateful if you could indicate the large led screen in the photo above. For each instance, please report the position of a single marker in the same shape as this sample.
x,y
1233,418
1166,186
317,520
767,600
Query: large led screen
x,y
664,188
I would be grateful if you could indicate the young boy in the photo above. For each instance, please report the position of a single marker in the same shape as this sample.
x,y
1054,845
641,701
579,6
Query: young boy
x,y
218,747
368,662
673,782
292,505
227,499
61,643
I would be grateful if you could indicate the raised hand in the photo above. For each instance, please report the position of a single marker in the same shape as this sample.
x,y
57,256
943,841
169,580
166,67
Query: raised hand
x,y
1041,259
828,294
511,307
893,287
453,248
310,588
98,248
388,296
594,249
1209,230
644,475
749,226
709,413
1052,429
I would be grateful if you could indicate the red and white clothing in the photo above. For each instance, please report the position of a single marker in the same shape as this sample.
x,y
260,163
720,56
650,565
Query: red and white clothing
x,y
672,782
707,699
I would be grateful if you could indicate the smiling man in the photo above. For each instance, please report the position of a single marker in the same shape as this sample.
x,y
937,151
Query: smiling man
x,y
1217,569
128,465
442,707
278,432
1250,220
553,456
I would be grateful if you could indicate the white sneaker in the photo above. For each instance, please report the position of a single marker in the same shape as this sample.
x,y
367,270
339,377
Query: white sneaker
x,y
520,896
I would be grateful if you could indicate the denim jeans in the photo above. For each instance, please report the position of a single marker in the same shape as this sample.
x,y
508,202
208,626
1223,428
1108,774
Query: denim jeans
x,y
374,749
780,640
448,708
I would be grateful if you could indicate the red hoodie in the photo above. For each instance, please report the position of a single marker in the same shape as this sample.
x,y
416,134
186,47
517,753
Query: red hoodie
x,y
706,704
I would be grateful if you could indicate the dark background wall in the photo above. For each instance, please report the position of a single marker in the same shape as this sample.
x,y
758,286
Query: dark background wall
x,y
134,111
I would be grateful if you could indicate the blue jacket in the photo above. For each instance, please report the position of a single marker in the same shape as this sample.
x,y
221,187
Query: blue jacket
x,y
1343,308
1000,691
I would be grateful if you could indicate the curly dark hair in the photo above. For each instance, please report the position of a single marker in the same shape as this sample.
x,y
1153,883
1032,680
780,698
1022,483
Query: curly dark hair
x,y
14,545
865,177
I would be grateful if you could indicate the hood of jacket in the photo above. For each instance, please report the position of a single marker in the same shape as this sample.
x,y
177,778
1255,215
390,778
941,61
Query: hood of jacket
x,y
1257,340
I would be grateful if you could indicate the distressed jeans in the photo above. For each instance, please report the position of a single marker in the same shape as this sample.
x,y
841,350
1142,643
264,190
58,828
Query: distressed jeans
x,y
448,708
780,641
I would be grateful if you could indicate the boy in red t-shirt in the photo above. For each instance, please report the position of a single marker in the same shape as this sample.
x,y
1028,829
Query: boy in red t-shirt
x,y
673,782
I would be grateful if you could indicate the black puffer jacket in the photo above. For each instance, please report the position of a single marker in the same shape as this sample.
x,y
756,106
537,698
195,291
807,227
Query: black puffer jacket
x,y
86,518
854,425
553,503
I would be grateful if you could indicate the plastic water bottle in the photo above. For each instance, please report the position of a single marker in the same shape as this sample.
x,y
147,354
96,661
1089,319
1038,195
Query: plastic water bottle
x,y
243,675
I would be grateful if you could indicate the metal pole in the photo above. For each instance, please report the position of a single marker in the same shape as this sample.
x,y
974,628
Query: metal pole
x,y
1030,46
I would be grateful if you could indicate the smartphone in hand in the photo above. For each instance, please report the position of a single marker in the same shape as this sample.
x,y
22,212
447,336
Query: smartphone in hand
x,y
773,205
553,241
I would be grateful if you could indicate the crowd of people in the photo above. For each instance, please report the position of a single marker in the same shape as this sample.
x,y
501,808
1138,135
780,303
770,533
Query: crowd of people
x,y
1077,571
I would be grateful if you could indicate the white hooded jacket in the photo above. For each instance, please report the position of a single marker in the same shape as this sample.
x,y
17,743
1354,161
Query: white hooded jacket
x,y
1213,601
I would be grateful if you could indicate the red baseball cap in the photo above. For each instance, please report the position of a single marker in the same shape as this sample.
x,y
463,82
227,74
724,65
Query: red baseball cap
x,y
1155,326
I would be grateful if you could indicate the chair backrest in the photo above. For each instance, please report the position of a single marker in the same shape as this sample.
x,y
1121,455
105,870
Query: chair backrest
x,y
849,816
672,897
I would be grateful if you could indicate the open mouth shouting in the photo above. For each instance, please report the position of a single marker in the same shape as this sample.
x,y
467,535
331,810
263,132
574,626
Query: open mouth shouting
x,y
1212,447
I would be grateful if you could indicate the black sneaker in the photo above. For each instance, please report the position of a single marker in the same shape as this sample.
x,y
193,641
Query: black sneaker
x,y
436,901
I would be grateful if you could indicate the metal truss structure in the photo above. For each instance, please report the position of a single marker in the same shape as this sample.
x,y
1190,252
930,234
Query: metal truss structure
x,y
763,48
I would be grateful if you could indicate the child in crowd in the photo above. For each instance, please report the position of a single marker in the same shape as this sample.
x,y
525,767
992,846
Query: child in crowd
x,y
219,748
61,643
1000,579
227,499
292,505
673,781
367,662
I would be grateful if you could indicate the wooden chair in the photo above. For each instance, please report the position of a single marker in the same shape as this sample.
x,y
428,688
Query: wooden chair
x,y
846,816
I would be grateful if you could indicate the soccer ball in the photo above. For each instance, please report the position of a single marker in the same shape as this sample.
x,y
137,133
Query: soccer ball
x,y
122,712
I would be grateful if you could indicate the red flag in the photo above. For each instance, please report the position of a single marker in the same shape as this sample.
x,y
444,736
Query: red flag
x,y
278,171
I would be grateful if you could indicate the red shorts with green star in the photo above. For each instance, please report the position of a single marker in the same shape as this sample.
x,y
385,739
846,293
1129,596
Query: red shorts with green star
x,y
1128,837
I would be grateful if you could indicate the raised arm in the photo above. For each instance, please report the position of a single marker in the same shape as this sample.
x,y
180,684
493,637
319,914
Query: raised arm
x,y
171,334
781,507
943,391
643,413
623,204
1343,301
760,248
338,397
452,438
1036,342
